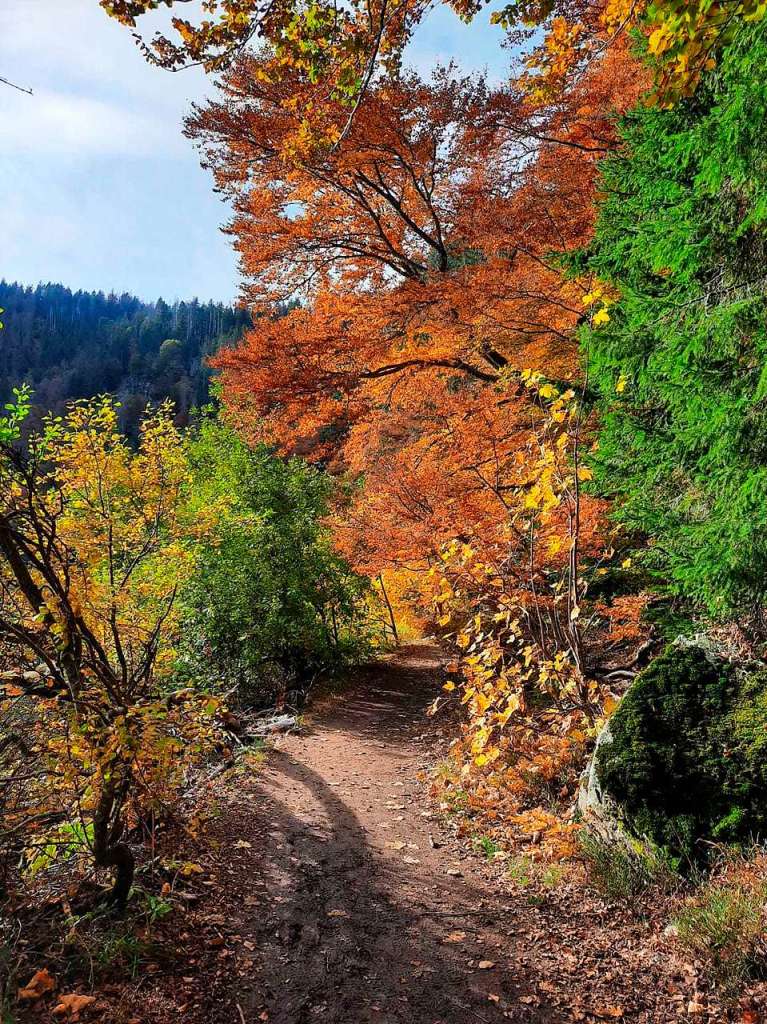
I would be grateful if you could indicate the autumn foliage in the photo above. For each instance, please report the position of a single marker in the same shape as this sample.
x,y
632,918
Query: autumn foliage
x,y
337,51
95,548
431,362
122,644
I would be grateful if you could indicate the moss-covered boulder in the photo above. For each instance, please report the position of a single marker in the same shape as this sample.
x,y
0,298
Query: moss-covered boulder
x,y
686,757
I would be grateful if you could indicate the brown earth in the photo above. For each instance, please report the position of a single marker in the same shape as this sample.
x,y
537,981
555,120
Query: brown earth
x,y
338,894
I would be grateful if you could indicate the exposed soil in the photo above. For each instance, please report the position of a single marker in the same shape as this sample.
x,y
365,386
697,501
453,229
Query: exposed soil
x,y
336,895
326,886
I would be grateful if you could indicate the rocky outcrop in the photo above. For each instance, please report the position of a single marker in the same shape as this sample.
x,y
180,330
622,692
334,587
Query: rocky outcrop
x,y
682,763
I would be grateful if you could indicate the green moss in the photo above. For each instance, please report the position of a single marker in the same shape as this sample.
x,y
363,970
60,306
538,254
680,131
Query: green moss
x,y
687,762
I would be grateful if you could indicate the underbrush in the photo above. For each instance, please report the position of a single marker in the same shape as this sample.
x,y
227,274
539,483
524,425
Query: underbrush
x,y
57,921
723,923
53,951
717,917
622,873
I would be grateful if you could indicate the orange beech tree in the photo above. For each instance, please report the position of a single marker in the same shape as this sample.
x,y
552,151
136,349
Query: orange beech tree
x,y
430,359
421,245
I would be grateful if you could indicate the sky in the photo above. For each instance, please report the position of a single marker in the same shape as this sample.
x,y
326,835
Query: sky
x,y
98,187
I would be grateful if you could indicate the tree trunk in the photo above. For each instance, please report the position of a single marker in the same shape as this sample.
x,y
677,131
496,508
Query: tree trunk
x,y
392,620
108,851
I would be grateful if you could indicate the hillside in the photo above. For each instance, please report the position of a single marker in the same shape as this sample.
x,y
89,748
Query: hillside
x,y
71,345
420,677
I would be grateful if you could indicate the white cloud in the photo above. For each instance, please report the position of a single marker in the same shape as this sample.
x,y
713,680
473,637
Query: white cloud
x,y
93,91
81,127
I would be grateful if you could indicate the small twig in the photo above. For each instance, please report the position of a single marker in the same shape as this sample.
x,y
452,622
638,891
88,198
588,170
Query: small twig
x,y
14,86
242,1015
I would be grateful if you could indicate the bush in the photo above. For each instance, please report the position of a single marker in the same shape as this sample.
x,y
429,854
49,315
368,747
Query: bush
x,y
270,602
687,760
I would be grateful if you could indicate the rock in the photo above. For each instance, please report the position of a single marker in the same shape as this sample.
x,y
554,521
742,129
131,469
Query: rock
x,y
682,762
280,723
597,810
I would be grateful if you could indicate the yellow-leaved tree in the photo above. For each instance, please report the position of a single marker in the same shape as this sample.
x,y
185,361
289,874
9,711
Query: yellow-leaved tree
x,y
94,545
529,631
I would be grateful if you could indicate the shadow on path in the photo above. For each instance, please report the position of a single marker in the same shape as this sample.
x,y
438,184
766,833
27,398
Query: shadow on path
x,y
356,919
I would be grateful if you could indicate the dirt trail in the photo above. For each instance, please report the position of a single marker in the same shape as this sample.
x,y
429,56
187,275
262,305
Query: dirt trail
x,y
338,899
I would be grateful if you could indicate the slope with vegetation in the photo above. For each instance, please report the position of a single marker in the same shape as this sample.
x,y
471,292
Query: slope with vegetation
x,y
69,345
515,396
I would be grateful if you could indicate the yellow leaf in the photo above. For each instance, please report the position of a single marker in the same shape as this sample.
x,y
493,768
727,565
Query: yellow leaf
x,y
601,317
190,868
555,544
610,704
481,703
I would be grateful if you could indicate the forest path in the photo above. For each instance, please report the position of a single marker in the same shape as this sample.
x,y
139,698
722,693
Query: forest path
x,y
338,898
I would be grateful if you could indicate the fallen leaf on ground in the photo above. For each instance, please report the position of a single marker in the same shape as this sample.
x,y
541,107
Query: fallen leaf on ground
x,y
71,1005
190,868
455,937
486,965
242,844
338,913
40,983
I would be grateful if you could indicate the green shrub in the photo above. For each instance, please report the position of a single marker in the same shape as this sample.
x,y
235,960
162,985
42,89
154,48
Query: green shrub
x,y
270,602
687,759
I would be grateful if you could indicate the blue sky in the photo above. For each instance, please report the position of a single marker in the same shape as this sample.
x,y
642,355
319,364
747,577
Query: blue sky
x,y
99,188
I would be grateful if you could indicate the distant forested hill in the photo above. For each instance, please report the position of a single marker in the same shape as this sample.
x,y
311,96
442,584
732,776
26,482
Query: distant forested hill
x,y
77,344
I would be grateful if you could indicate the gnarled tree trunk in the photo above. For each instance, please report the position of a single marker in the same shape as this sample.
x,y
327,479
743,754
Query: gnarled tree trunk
x,y
108,850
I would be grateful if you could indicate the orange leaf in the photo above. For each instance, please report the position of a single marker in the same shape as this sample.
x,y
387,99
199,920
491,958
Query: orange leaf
x,y
40,983
71,1005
